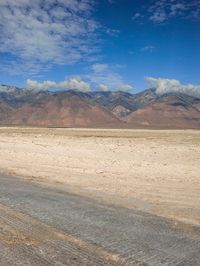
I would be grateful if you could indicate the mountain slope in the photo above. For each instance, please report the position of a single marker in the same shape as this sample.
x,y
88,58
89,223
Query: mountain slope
x,y
168,111
118,109
123,103
62,110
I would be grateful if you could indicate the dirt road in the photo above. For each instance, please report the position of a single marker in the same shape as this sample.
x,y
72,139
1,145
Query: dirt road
x,y
42,225
156,171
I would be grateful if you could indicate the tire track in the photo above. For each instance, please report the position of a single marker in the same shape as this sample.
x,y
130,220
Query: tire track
x,y
36,243
65,228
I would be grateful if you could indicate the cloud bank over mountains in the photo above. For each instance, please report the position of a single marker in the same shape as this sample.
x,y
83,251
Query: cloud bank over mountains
x,y
102,77
163,86
69,84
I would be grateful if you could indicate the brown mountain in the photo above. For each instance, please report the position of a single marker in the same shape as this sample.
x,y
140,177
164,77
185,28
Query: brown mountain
x,y
123,103
98,109
169,111
5,111
60,110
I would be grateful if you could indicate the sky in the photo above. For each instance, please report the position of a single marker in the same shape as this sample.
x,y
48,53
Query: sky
x,y
126,45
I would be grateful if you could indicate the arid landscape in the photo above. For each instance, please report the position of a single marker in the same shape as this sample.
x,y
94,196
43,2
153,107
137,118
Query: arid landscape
x,y
99,196
98,109
155,171
99,178
99,133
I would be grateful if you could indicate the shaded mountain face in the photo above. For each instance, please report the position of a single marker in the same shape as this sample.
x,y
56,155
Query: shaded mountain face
x,y
62,109
123,103
98,109
168,111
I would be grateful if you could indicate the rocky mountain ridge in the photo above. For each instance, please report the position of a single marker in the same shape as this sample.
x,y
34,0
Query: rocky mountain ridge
x,y
117,109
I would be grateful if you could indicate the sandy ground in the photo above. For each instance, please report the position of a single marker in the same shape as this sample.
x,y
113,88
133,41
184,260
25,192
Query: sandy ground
x,y
155,171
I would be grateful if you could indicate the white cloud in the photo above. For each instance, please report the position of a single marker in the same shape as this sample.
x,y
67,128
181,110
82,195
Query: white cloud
x,y
41,33
69,84
102,87
136,16
112,32
101,77
160,11
159,16
125,87
163,86
33,84
75,84
107,77
99,68
148,48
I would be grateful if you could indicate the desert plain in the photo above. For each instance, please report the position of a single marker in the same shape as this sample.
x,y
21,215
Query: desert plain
x,y
99,197
156,171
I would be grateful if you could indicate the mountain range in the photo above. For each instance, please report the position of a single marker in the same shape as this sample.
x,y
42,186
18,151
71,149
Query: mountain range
x,y
146,109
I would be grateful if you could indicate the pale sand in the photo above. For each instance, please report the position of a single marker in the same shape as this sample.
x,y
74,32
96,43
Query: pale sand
x,y
155,171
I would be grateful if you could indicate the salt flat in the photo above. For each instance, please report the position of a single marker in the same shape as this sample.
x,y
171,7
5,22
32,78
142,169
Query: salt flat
x,y
154,171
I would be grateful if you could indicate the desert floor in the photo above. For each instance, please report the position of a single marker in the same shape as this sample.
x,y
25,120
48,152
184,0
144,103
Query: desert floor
x,y
156,171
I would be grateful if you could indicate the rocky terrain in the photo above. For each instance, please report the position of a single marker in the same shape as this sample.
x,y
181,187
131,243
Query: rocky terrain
x,y
117,109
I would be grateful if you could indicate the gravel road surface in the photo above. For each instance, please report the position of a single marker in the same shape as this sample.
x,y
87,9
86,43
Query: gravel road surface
x,y
43,225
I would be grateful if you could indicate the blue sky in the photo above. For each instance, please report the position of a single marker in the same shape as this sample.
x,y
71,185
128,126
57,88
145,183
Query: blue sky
x,y
99,44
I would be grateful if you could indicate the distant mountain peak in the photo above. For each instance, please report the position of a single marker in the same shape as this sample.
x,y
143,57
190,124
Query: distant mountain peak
x,y
98,108
7,89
